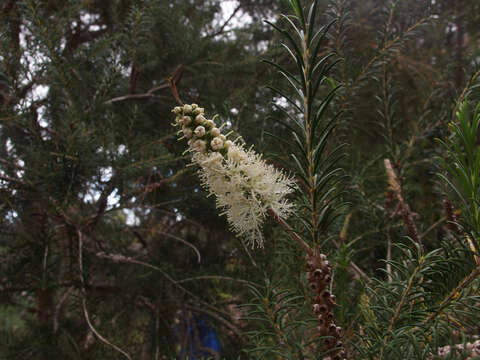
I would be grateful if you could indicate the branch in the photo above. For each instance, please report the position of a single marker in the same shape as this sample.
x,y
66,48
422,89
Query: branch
x,y
217,277
219,31
290,231
177,76
82,36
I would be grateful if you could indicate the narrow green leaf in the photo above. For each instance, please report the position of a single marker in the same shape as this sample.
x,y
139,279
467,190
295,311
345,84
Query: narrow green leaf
x,y
279,92
311,22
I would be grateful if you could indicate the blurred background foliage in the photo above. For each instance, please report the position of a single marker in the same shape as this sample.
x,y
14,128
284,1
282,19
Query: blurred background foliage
x,y
106,238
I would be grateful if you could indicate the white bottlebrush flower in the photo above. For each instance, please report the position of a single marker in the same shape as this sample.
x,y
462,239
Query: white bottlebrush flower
x,y
245,190
236,154
245,186
199,131
216,143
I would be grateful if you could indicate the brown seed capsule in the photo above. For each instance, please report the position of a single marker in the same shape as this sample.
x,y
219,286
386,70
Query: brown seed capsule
x,y
318,273
328,342
339,331
322,309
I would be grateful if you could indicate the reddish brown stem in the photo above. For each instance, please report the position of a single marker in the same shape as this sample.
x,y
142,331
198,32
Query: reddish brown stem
x,y
290,231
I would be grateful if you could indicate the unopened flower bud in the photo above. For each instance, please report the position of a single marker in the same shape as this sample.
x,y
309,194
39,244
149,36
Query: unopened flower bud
x,y
187,132
216,143
194,106
199,131
210,123
215,132
200,119
198,111
187,109
223,137
190,142
200,146
228,143
186,120
177,110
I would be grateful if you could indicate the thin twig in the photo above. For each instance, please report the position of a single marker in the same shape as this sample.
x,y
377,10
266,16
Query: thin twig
x,y
400,305
464,92
433,226
199,258
224,25
119,258
84,299
217,277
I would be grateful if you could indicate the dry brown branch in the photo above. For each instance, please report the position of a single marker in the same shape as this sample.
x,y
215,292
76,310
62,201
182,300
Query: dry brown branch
x,y
151,93
405,209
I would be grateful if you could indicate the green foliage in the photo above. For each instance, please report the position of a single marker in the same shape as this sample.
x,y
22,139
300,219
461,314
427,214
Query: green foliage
x,y
463,166
99,213
314,166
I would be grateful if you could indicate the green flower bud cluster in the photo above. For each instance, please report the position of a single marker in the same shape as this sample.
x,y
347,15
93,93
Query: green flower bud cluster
x,y
202,134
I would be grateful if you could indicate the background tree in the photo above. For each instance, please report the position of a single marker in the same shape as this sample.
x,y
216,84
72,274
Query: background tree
x,y
107,242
